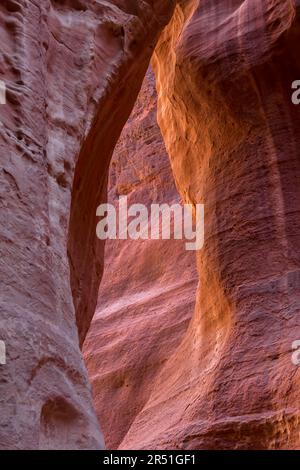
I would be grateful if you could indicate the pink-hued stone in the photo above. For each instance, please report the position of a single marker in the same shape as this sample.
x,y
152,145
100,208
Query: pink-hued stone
x,y
72,69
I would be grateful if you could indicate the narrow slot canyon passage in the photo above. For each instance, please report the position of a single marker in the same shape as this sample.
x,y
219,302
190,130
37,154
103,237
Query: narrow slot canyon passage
x,y
148,288
224,110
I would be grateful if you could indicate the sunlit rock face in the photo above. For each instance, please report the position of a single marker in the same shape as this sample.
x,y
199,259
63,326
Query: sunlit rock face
x,y
224,73
148,289
73,69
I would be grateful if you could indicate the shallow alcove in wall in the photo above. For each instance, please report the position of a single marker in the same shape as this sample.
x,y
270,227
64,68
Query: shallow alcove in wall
x,y
148,288
59,420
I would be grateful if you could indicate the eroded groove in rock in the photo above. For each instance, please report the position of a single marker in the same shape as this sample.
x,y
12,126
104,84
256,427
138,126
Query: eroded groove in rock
x,y
224,71
65,65
148,289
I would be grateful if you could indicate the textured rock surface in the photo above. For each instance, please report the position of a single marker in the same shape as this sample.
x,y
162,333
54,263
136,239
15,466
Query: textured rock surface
x,y
224,72
67,65
148,288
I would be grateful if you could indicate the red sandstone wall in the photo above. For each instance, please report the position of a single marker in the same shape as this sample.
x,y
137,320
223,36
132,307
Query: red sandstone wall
x,y
67,65
224,72
224,69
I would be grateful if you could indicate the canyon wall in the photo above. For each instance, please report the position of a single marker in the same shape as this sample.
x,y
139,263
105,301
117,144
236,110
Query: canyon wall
x,y
148,289
72,69
224,73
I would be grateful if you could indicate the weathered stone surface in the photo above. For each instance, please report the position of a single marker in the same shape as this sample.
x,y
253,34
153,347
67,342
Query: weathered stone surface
x,y
224,72
73,69
148,289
